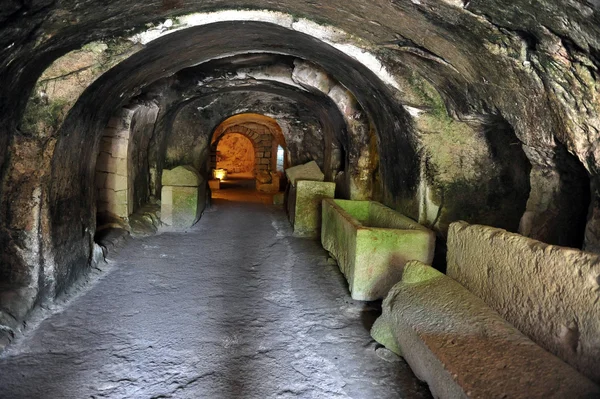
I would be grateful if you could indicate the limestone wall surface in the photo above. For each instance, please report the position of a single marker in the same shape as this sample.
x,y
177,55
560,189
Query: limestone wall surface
x,y
235,153
550,293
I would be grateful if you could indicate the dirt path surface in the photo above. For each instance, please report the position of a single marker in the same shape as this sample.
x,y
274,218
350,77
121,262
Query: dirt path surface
x,y
234,308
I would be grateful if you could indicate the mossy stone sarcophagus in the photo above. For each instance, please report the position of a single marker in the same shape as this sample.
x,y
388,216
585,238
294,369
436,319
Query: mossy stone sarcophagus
x,y
305,193
183,197
372,243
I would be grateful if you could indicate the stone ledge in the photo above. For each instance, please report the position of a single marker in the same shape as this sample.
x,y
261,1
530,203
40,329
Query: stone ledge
x,y
462,348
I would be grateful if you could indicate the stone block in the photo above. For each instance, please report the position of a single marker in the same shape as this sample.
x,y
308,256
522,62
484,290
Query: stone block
x,y
308,171
214,184
464,349
181,207
372,243
271,186
116,182
550,293
181,176
264,177
103,162
105,145
107,163
306,213
119,147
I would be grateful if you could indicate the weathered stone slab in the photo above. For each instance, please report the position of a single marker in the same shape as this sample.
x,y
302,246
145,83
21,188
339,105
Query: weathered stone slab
x,y
372,243
181,176
181,207
308,171
464,349
305,203
550,293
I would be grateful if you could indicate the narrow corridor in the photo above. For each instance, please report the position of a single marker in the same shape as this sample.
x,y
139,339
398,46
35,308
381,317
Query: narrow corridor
x,y
235,308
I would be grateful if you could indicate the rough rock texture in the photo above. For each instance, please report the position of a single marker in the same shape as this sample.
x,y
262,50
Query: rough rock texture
x,y
193,316
550,293
235,153
485,111
267,182
371,244
181,176
308,171
464,349
304,205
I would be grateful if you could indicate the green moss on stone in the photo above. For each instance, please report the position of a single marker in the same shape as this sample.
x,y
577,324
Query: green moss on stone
x,y
43,117
382,333
417,272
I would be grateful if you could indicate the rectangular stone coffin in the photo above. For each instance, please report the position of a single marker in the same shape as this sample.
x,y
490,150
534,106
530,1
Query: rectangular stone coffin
x,y
463,349
372,243
183,197
304,206
548,292
182,207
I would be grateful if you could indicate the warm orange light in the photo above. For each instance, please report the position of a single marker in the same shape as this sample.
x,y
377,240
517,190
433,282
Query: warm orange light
x,y
220,174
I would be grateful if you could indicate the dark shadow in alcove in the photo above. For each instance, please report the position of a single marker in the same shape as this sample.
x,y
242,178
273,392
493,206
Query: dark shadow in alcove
x,y
499,197
370,312
572,202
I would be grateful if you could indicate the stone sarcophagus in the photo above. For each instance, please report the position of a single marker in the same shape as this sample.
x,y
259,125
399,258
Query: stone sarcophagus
x,y
548,292
305,193
372,243
183,197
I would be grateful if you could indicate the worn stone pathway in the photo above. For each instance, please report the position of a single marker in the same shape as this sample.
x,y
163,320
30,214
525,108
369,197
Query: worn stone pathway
x,y
234,308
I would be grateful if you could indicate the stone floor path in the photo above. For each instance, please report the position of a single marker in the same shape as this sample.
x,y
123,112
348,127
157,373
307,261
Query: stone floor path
x,y
234,308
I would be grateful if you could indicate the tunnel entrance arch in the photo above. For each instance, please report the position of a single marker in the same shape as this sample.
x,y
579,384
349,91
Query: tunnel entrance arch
x,y
236,153
268,141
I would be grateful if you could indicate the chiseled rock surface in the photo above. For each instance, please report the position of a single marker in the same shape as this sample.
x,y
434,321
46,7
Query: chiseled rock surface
x,y
550,293
464,349
190,315
184,176
308,171
372,243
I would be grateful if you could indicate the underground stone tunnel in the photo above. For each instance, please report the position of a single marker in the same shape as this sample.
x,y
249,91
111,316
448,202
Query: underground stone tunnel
x,y
212,198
